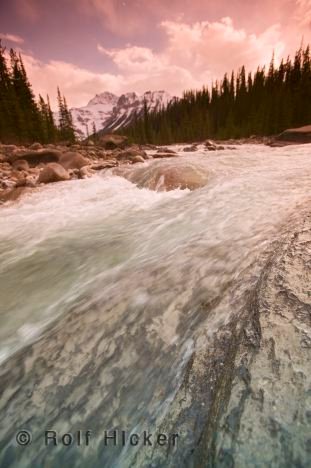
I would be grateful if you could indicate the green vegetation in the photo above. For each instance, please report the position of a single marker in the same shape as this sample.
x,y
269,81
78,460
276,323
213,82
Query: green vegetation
x,y
241,105
22,118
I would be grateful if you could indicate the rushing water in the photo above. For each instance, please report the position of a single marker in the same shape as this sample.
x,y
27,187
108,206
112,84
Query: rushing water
x,y
102,285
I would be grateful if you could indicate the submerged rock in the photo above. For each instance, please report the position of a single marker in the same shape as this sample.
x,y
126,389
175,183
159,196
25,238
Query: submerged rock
x,y
166,150
164,155
161,177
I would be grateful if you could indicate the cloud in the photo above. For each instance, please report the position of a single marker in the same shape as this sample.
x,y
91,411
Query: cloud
x,y
218,47
303,13
12,38
194,54
77,84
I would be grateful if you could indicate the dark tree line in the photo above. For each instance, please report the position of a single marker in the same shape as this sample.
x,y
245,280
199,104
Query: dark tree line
x,y
23,119
240,105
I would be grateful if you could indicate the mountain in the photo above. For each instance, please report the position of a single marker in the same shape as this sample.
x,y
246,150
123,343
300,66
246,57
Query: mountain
x,y
109,112
98,110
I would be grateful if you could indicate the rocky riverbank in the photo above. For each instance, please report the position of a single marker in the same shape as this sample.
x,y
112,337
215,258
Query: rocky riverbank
x,y
25,168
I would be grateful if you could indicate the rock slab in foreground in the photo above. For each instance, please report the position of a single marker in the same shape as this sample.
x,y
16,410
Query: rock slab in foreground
x,y
245,398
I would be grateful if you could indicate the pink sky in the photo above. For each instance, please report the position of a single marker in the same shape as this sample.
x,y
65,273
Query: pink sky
x,y
90,46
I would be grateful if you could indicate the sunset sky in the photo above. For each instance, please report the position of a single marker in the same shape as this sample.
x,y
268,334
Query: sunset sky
x,y
90,46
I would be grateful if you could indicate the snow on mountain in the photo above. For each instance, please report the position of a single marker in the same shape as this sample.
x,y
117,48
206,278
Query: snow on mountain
x,y
97,111
109,112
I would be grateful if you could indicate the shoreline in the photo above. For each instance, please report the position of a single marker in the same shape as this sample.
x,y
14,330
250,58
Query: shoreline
x,y
24,169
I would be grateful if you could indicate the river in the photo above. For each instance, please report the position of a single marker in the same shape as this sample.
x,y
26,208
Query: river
x,y
107,289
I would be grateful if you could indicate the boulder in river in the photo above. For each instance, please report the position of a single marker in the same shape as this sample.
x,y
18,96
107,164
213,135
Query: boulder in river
x,y
166,150
53,172
104,164
209,144
131,153
112,141
190,149
73,160
164,155
293,136
167,177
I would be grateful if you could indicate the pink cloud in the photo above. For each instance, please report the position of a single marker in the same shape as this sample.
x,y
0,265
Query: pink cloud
x,y
303,13
218,47
12,38
194,54
79,85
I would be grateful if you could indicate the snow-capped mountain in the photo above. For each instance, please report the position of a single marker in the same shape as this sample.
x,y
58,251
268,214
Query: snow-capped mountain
x,y
109,112
97,111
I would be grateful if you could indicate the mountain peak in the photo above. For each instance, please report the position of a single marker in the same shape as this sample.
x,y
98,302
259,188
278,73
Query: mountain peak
x,y
103,98
109,112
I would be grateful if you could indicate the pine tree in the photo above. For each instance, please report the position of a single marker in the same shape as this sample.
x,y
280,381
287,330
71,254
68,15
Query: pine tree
x,y
22,118
263,104
66,128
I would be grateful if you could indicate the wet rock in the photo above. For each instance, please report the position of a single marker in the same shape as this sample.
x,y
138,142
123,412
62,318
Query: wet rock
x,y
12,194
149,147
165,177
35,146
53,172
130,154
164,155
209,144
137,159
8,184
244,400
3,158
36,157
73,160
104,165
190,148
21,165
166,150
86,172
293,136
112,141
